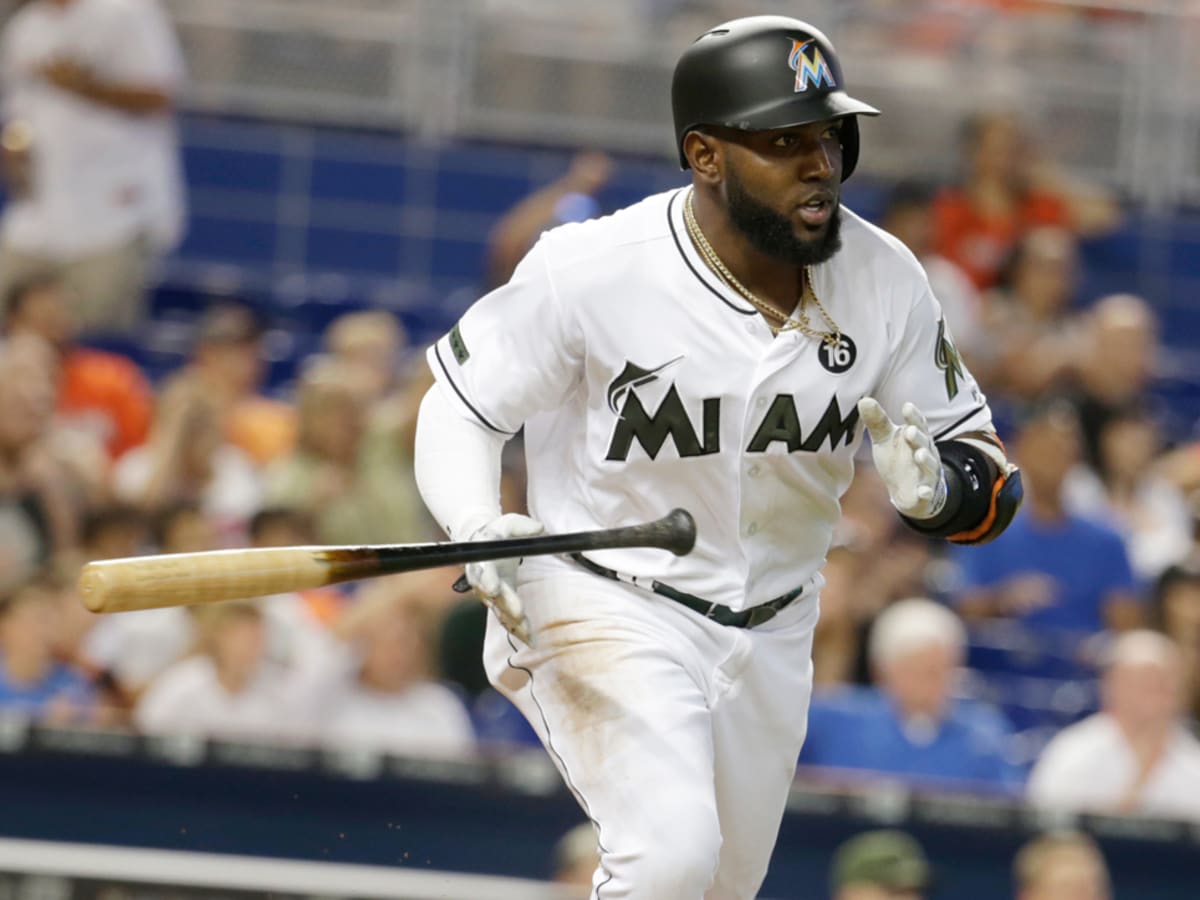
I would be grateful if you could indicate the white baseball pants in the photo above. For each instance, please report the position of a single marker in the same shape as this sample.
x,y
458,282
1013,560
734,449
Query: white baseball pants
x,y
678,736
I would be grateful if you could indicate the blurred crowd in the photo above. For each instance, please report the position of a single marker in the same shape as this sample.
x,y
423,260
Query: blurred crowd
x,y
1060,663
889,864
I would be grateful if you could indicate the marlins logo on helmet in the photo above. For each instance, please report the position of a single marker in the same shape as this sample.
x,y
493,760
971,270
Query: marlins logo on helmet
x,y
809,68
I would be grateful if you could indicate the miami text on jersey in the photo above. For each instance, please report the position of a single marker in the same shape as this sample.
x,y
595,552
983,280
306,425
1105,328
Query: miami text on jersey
x,y
781,422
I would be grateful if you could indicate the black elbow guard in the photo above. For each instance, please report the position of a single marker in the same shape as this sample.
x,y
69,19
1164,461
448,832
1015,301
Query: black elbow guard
x,y
981,498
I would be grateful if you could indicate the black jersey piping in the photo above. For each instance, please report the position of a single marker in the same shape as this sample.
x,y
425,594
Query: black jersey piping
x,y
566,772
688,262
437,351
941,434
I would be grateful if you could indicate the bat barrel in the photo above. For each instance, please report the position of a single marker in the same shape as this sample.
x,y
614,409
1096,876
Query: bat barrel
x,y
184,579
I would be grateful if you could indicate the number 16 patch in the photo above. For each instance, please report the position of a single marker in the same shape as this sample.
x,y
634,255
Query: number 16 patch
x,y
837,358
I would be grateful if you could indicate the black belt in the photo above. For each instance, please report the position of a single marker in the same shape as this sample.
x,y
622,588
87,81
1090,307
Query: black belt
x,y
722,615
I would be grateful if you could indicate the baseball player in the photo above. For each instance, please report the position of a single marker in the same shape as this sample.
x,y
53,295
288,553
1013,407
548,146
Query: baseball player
x,y
719,348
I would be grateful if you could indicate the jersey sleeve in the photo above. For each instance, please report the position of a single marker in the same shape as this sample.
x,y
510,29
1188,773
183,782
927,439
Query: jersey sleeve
x,y
516,352
10,73
143,48
927,370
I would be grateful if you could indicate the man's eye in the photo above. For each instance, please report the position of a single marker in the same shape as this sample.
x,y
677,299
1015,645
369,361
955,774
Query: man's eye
x,y
784,140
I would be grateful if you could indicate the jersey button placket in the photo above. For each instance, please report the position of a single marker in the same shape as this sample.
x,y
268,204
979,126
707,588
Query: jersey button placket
x,y
750,493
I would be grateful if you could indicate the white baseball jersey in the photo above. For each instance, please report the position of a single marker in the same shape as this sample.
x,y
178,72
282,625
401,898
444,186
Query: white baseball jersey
x,y
644,383
101,176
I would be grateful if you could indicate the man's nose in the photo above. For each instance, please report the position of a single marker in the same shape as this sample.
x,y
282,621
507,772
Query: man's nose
x,y
817,164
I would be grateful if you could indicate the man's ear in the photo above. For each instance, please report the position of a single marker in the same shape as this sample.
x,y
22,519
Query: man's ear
x,y
706,156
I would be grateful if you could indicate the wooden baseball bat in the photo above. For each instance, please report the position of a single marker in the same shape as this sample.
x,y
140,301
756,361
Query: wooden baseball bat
x,y
184,579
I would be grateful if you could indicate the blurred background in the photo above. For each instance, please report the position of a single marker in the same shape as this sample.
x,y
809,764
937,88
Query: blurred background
x,y
231,227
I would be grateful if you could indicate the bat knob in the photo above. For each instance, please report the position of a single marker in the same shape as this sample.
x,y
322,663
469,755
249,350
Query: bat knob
x,y
680,530
93,587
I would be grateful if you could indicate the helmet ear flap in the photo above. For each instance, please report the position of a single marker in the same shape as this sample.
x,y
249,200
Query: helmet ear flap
x,y
849,145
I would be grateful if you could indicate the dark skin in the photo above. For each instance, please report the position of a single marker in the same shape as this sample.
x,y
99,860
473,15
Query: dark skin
x,y
77,79
781,168
72,76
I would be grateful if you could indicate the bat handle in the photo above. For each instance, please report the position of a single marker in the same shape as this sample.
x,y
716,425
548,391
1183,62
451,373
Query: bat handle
x,y
675,531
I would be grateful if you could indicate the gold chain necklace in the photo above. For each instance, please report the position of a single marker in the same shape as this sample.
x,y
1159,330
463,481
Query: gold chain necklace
x,y
801,322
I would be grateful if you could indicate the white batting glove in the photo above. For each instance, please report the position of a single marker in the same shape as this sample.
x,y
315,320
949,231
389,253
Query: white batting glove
x,y
907,459
495,582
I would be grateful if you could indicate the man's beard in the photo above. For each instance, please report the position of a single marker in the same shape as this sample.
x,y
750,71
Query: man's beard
x,y
773,235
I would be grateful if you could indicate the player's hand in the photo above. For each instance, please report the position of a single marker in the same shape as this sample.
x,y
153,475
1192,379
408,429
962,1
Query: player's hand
x,y
907,459
68,74
496,582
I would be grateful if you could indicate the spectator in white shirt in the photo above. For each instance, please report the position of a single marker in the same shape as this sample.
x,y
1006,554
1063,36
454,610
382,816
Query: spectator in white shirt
x,y
1125,490
1136,755
90,151
390,702
1066,865
229,689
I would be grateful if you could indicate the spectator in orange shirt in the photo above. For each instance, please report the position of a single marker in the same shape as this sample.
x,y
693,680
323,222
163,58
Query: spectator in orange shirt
x,y
103,393
186,459
1007,190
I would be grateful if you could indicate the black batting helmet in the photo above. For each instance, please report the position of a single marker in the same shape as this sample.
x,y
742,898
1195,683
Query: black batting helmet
x,y
764,72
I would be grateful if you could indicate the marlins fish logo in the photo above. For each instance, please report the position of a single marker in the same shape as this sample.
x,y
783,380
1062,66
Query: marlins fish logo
x,y
809,69
633,376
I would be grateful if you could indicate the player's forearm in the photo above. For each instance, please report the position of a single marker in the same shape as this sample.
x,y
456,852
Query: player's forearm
x,y
983,491
518,230
130,98
457,467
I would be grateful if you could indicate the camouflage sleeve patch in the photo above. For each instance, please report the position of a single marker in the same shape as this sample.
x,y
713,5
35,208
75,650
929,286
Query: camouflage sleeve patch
x,y
458,346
